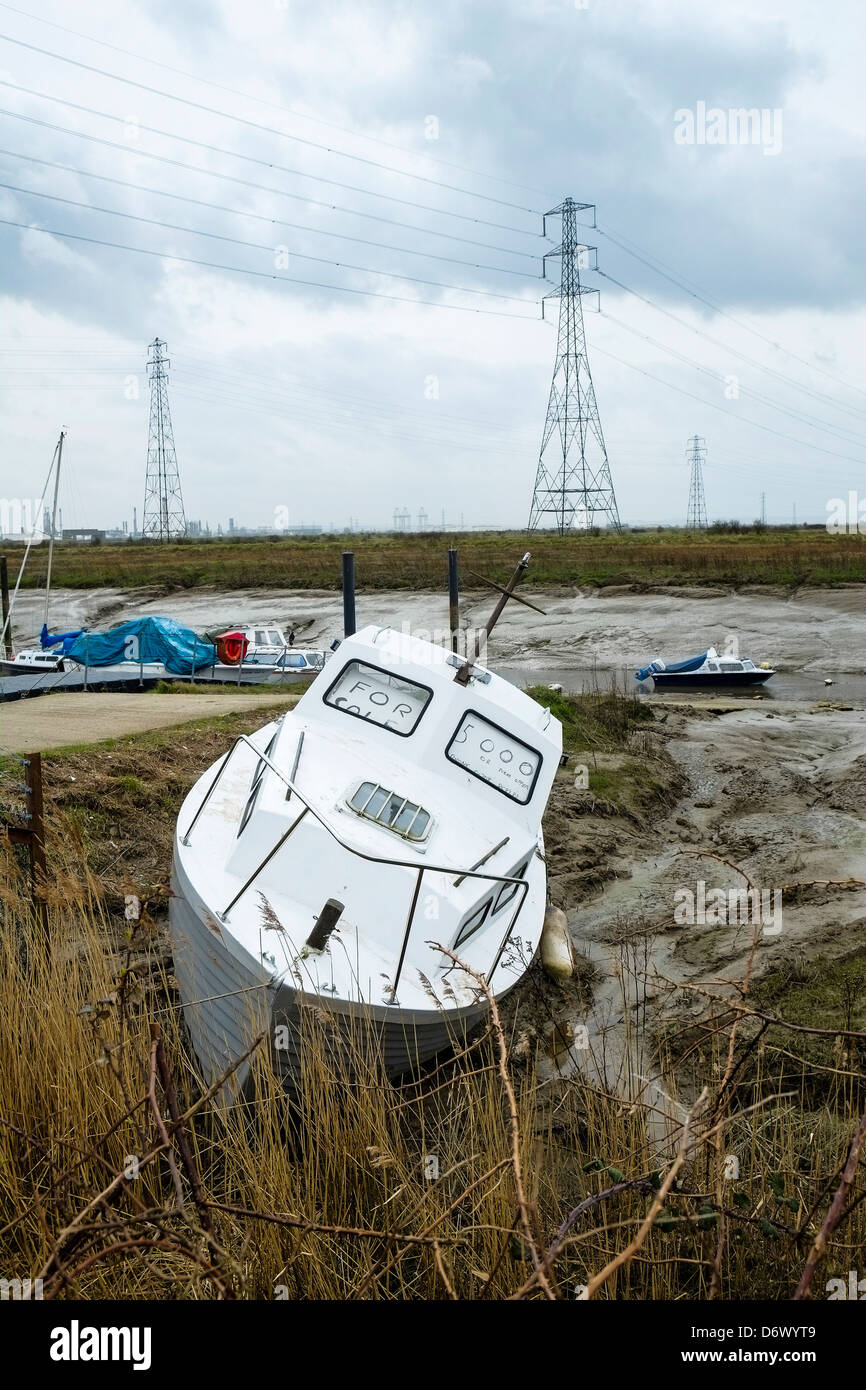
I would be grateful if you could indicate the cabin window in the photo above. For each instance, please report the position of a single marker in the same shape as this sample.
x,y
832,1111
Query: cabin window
x,y
261,637
294,660
258,776
732,666
712,665
508,890
495,756
388,808
367,692
472,924
276,639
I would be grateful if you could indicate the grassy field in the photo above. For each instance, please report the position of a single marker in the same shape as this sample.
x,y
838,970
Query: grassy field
x,y
778,556
542,1179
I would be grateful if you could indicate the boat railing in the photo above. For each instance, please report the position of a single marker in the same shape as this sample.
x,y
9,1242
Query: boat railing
x,y
450,870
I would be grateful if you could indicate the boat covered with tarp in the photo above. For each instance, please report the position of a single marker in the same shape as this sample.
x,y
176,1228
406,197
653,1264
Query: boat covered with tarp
x,y
144,642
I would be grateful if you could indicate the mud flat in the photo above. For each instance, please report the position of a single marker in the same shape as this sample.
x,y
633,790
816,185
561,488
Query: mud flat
x,y
775,799
811,631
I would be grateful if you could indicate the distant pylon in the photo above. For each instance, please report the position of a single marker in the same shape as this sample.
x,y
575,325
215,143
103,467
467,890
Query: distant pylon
x,y
697,515
573,486
163,518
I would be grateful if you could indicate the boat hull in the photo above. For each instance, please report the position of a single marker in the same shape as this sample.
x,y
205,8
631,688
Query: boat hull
x,y
228,1003
692,680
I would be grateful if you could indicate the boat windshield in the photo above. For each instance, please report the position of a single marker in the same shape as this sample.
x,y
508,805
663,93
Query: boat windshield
x,y
495,757
367,692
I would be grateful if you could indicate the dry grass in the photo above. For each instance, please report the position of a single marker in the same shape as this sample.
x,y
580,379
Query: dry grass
x,y
778,556
331,1198
545,1178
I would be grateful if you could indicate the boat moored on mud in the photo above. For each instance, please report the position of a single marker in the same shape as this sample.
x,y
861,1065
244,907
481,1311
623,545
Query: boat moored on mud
x,y
708,670
329,857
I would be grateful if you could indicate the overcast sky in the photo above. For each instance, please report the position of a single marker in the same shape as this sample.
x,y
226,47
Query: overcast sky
x,y
408,151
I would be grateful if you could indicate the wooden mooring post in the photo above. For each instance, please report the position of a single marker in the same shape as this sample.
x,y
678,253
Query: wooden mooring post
x,y
453,599
349,627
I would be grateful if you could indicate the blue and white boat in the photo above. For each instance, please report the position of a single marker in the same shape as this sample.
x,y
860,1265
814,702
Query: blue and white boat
x,y
707,670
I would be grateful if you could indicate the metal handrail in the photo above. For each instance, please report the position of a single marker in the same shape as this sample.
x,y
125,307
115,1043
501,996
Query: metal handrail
x,y
419,869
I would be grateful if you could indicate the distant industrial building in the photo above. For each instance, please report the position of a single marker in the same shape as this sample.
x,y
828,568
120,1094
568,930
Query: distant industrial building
x,y
84,535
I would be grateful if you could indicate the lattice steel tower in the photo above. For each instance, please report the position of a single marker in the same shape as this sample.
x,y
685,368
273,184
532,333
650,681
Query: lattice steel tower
x,y
163,503
573,486
696,454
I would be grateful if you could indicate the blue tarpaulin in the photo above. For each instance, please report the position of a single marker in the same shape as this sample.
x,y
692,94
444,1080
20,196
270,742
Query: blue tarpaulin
x,y
49,639
144,640
654,667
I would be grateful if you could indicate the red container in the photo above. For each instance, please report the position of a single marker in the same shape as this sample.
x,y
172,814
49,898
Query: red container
x,y
231,648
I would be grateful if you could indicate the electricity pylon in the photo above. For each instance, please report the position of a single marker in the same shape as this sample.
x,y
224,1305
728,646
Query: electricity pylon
x,y
164,518
697,514
573,486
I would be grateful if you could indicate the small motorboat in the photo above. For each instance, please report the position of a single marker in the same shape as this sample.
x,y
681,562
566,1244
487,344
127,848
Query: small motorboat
x,y
328,858
266,646
31,660
708,670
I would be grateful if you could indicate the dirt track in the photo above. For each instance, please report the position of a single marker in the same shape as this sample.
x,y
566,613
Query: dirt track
x,y
57,721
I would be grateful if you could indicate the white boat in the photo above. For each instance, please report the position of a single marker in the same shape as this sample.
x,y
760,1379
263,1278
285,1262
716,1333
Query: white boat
x,y
31,660
394,810
267,645
707,670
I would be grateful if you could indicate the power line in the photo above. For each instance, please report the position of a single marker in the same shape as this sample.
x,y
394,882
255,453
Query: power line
x,y
254,402
261,217
713,405
382,419
257,246
273,105
233,178
845,435
302,390
684,285
734,352
259,274
272,130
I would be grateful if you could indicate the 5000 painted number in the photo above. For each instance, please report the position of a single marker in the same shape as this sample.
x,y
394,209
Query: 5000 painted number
x,y
497,757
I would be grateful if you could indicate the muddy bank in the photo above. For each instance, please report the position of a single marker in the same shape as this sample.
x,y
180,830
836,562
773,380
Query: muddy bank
x,y
814,631
771,799
684,798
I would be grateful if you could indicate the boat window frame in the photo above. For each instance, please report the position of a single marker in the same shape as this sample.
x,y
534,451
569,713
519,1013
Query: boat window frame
x,y
730,667
382,671
256,784
519,801
466,930
508,892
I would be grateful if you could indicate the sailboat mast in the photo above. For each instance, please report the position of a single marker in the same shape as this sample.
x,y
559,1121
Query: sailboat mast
x,y
59,452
